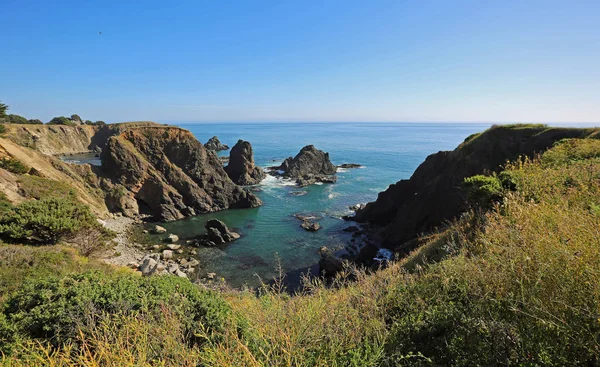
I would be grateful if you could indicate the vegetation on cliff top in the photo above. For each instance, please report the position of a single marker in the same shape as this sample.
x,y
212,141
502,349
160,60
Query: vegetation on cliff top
x,y
513,281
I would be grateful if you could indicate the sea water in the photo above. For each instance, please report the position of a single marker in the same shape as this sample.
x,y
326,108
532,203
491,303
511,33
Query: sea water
x,y
271,235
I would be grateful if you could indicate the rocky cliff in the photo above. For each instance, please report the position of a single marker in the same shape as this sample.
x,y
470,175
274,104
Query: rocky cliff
x,y
241,168
215,144
169,174
52,139
434,193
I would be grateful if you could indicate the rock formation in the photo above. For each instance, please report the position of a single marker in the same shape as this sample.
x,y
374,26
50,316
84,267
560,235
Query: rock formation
x,y
241,168
434,194
214,144
170,173
218,233
309,166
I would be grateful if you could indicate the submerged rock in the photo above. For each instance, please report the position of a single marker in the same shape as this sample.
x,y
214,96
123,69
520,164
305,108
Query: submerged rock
x,y
241,168
159,230
214,144
349,165
310,226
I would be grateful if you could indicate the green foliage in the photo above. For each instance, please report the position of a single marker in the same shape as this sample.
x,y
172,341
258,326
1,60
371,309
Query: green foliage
x,y
35,122
13,165
483,190
47,221
16,119
3,109
61,120
58,308
2,129
75,117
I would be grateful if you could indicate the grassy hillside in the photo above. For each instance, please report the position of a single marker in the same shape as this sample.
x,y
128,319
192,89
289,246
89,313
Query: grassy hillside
x,y
515,281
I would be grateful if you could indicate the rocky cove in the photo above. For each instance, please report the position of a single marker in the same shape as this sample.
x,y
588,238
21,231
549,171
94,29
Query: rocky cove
x,y
287,211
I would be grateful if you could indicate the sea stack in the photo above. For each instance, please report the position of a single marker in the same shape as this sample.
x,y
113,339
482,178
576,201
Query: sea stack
x,y
309,166
214,144
241,168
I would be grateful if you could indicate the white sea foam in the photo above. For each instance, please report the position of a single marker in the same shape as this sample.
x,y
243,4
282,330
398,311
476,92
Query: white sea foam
x,y
341,170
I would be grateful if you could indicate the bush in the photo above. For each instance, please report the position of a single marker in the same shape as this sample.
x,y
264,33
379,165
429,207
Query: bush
x,y
483,190
35,122
61,121
13,165
16,119
56,309
2,129
47,221
75,117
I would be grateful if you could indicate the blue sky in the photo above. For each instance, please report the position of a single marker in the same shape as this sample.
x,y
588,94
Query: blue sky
x,y
484,61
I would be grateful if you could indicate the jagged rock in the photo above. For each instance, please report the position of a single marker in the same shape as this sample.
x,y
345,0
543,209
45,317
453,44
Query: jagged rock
x,y
193,263
172,238
170,174
167,254
181,274
215,236
217,231
310,226
309,166
241,168
214,144
159,230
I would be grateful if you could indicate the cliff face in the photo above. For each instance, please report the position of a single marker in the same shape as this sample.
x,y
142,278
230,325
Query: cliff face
x,y
170,174
434,193
52,139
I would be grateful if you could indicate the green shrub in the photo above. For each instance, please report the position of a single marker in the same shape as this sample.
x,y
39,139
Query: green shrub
x,y
483,190
13,165
61,121
35,122
2,129
16,119
55,309
48,221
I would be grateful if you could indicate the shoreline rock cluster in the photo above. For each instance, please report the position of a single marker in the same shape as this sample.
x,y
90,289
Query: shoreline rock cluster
x,y
309,166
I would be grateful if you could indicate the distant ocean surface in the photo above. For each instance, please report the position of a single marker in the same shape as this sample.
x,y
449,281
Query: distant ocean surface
x,y
270,234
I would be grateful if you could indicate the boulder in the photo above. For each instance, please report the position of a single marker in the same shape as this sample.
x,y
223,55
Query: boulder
x,y
148,265
174,247
310,226
219,233
329,264
214,144
159,230
167,254
172,238
241,168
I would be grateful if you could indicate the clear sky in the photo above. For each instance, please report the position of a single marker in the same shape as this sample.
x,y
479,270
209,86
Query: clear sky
x,y
368,60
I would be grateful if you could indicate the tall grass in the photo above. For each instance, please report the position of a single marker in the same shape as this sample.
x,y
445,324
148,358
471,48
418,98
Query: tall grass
x,y
516,284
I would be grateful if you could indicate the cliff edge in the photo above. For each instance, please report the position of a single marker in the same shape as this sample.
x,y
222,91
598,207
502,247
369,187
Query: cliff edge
x,y
434,194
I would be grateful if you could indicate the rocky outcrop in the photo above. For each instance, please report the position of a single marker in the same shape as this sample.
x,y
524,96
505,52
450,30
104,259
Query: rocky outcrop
x,y
241,168
309,166
218,232
434,194
170,173
214,144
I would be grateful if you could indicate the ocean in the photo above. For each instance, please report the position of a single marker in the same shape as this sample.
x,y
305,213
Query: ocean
x,y
271,236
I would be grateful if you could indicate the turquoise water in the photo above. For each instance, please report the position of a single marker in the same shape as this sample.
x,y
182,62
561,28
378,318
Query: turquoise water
x,y
270,234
